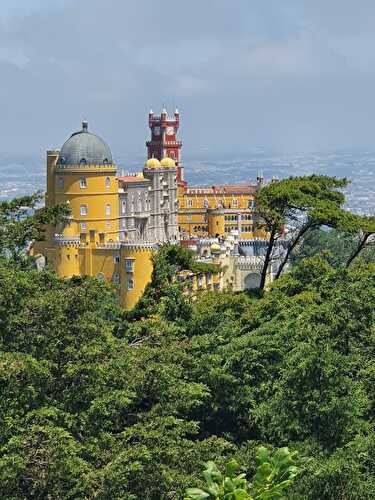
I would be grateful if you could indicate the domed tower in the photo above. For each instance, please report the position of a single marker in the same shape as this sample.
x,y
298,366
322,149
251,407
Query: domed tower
x,y
84,176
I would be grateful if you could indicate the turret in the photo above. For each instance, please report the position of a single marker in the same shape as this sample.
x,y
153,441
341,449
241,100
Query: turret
x,y
260,178
164,142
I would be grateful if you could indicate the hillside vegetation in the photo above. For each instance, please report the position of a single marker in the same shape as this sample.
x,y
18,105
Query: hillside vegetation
x,y
97,403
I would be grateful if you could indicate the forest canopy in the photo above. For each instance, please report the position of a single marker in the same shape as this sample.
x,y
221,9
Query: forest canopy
x,y
99,403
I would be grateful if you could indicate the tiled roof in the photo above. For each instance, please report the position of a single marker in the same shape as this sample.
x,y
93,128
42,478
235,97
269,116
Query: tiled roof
x,y
224,189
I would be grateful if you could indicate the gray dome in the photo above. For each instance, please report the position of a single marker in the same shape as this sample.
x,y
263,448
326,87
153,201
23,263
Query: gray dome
x,y
85,148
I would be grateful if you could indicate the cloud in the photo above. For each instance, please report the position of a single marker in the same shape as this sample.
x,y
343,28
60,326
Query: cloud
x,y
289,74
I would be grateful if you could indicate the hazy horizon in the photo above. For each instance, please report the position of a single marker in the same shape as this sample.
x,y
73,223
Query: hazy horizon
x,y
291,76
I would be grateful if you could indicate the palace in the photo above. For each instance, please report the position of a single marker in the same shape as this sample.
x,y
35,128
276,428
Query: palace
x,y
118,222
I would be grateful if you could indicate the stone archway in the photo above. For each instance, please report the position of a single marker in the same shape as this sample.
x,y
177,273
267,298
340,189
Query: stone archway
x,y
252,280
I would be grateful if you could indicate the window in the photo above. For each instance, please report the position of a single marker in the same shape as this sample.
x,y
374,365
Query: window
x,y
60,182
130,284
83,210
189,203
108,209
107,182
123,207
234,203
129,265
116,259
83,225
83,183
116,278
123,223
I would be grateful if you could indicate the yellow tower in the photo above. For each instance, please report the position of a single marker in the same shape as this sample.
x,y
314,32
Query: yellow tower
x,y
85,178
136,271
83,175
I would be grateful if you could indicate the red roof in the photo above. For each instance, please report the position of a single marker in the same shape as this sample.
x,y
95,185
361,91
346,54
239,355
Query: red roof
x,y
224,189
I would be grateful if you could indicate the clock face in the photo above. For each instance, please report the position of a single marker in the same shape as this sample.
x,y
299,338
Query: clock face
x,y
157,130
170,130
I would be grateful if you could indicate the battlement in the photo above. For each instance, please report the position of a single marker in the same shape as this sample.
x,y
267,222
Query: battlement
x,y
164,118
250,263
60,240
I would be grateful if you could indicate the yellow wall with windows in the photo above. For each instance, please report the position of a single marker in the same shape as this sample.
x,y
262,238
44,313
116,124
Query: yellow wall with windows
x,y
194,216
192,200
134,278
92,189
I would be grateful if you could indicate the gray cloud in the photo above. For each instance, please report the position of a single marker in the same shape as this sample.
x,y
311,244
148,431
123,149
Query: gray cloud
x,y
291,75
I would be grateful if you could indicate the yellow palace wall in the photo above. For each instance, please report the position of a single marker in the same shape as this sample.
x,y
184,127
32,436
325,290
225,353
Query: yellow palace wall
x,y
140,275
99,197
194,216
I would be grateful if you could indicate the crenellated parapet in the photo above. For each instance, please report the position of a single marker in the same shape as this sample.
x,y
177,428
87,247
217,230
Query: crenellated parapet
x,y
61,240
249,263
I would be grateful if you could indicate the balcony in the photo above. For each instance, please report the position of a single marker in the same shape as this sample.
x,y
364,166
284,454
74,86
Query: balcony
x,y
141,215
171,144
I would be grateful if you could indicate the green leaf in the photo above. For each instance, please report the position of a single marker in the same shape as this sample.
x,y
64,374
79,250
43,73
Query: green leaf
x,y
196,494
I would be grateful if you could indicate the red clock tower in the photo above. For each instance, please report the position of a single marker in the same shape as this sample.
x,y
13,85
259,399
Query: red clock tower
x,y
164,141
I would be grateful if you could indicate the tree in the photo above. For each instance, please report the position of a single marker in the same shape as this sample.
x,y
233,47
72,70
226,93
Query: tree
x,y
275,473
22,223
95,405
365,237
335,246
300,204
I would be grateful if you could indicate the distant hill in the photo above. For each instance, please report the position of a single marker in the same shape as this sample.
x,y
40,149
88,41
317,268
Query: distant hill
x,y
23,174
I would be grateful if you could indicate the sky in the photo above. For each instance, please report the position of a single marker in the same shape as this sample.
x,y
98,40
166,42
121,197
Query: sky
x,y
286,75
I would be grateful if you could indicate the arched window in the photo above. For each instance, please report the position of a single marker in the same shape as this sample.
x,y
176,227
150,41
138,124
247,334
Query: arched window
x,y
107,182
83,161
108,210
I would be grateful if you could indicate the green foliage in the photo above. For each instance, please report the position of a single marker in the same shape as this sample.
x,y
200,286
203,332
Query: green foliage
x,y
274,474
21,223
333,245
165,295
301,204
98,404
